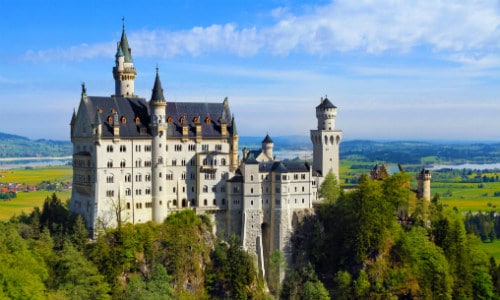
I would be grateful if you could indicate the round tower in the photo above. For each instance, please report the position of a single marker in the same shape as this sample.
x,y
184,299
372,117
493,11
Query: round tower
x,y
424,184
158,127
326,113
267,146
326,140
124,72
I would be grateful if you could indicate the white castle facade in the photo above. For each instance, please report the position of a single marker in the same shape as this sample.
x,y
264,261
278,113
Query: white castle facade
x,y
138,160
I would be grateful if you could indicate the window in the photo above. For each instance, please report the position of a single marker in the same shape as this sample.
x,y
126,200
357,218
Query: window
x,y
295,176
183,176
109,179
128,178
128,192
178,148
128,205
148,191
223,161
205,161
192,147
278,190
205,189
204,147
205,202
138,163
215,202
183,162
303,176
122,164
174,162
110,163
147,148
214,188
123,148
138,178
218,147
147,177
138,148
193,176
169,176
149,204
147,163
109,148
110,193
223,201
138,192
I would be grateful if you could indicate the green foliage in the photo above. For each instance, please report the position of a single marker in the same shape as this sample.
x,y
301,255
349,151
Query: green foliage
x,y
330,188
277,264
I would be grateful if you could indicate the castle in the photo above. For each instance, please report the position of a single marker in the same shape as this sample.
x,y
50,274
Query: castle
x,y
138,160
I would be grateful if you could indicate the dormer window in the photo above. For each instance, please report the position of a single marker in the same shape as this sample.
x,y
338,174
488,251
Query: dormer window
x,y
207,120
137,120
124,120
169,120
181,119
110,119
195,120
113,110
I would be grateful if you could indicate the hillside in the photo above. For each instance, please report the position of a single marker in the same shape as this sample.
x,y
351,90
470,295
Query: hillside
x,y
404,152
19,146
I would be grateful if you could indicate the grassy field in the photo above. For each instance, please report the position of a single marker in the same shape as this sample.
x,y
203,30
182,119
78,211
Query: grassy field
x,y
26,201
492,249
37,175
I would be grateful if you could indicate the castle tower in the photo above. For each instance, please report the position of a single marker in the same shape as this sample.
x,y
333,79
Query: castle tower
x,y
124,71
326,140
158,127
267,147
424,184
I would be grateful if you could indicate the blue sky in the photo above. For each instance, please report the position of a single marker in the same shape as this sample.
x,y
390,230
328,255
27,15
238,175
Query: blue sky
x,y
405,70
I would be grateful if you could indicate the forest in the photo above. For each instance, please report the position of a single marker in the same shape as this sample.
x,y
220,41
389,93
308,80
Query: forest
x,y
376,242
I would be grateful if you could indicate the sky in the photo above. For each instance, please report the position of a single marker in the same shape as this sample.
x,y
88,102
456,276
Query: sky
x,y
396,70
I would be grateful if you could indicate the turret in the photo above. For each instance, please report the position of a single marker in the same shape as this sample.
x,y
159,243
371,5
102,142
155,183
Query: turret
x,y
326,140
124,72
267,147
326,113
424,184
158,127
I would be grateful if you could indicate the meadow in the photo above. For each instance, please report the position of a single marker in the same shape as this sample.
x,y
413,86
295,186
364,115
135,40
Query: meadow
x,y
26,201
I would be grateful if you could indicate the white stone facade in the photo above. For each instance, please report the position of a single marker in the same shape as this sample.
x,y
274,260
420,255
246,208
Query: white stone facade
x,y
137,161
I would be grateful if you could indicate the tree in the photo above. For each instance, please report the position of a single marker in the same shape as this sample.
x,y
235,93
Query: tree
x,y
330,188
277,264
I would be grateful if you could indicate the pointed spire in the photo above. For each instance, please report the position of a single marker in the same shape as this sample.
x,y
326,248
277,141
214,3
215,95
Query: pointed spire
x,y
267,140
73,118
157,94
97,118
233,126
123,46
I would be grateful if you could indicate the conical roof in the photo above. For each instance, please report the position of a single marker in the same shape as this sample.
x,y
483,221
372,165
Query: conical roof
x,y
123,46
267,140
325,103
157,94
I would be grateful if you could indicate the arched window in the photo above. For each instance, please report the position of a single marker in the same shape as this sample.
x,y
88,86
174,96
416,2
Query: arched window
x,y
195,120
205,189
124,120
128,192
223,161
169,120
205,202
128,178
109,148
110,178
207,120
122,164
137,120
110,163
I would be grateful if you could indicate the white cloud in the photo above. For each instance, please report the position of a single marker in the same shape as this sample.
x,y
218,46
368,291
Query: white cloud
x,y
467,29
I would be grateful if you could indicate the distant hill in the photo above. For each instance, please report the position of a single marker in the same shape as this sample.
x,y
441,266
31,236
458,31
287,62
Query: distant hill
x,y
404,152
19,146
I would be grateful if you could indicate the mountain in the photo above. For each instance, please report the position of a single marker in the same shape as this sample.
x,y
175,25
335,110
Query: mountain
x,y
19,146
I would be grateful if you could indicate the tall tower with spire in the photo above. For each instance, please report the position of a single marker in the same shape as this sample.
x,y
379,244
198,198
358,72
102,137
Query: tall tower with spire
x,y
124,72
326,140
158,128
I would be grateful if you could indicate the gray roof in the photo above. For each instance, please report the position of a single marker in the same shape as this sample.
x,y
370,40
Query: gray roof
x,y
267,140
325,103
157,94
209,116
284,167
